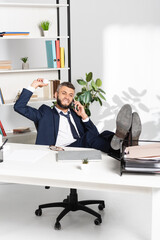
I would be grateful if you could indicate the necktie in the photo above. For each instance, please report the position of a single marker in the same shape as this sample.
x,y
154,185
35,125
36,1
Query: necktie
x,y
73,130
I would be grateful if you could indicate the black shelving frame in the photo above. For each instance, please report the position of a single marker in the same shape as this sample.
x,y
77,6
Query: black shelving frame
x,y
68,39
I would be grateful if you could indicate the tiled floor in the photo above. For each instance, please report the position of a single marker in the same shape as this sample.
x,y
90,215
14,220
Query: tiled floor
x,y
126,215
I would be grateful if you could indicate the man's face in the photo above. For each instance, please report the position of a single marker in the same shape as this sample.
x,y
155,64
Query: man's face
x,y
64,97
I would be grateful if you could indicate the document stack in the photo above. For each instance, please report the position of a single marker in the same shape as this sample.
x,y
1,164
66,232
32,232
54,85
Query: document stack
x,y
11,34
143,158
5,65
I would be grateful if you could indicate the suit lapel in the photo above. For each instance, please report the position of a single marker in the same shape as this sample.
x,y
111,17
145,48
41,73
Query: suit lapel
x,y
55,122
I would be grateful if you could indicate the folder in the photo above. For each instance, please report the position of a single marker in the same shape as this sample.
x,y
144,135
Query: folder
x,y
1,132
62,57
2,128
51,54
58,54
1,97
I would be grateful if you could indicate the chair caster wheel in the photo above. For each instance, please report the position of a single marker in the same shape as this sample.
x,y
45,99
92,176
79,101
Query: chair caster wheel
x,y
101,206
97,221
57,226
38,212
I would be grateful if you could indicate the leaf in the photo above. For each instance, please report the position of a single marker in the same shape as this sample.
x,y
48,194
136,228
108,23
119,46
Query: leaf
x,y
98,82
94,85
99,100
78,94
81,82
84,89
100,89
80,99
102,96
87,97
88,112
89,77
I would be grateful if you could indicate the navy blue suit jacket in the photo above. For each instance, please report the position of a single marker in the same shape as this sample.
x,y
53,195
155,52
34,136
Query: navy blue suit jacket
x,y
47,120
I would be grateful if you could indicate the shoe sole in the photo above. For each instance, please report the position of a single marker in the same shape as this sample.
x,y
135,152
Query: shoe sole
x,y
123,124
136,128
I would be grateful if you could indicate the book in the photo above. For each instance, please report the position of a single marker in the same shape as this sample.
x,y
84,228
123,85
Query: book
x,y
62,57
1,97
14,33
21,130
51,54
5,62
53,87
58,53
6,67
2,128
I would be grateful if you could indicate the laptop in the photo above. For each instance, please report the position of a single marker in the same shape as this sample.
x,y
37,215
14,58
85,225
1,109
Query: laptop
x,y
70,155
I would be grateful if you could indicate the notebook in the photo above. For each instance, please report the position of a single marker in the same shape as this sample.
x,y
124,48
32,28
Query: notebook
x,y
91,155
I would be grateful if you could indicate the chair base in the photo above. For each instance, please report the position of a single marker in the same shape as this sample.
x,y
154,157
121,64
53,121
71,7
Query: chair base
x,y
72,204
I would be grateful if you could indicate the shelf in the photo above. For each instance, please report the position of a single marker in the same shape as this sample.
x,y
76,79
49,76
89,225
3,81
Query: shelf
x,y
33,5
31,38
32,70
33,100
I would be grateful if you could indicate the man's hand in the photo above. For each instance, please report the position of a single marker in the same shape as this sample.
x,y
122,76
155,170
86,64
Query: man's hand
x,y
79,109
38,83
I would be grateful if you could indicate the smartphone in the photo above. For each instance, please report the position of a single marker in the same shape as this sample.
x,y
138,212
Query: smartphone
x,y
73,106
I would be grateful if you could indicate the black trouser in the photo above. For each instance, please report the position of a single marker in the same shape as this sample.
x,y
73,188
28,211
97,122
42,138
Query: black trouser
x,y
99,142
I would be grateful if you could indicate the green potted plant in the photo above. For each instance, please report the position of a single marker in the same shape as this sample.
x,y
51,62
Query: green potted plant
x,y
90,92
25,64
84,163
45,27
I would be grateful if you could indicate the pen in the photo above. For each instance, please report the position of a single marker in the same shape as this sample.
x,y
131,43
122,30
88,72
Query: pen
x,y
3,144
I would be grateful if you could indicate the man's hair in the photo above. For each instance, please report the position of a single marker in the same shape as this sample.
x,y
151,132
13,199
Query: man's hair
x,y
65,84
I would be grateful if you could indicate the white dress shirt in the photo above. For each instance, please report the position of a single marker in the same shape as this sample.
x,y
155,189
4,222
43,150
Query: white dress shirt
x,y
65,136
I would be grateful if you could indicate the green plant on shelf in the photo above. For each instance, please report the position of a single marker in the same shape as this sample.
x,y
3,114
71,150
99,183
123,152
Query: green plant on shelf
x,y
45,25
24,59
90,92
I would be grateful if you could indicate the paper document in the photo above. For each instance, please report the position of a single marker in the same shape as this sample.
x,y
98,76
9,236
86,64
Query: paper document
x,y
26,155
143,151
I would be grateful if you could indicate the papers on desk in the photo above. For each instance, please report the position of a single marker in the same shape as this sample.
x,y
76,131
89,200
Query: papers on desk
x,y
144,158
79,155
26,155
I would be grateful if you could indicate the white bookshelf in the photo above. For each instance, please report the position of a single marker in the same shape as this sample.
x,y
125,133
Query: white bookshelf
x,y
12,4
26,17
32,70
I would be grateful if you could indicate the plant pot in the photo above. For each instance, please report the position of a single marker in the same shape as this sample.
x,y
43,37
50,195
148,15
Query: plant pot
x,y
84,166
25,65
45,33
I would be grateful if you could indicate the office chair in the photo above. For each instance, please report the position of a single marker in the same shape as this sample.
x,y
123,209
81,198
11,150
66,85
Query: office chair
x,y
72,204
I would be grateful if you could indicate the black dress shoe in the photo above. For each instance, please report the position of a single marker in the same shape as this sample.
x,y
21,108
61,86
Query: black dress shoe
x,y
136,129
123,125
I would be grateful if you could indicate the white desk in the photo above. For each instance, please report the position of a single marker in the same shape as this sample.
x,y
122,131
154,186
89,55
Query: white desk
x,y
104,175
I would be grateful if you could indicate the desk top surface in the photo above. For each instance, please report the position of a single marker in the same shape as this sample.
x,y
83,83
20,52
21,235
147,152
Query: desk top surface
x,y
38,166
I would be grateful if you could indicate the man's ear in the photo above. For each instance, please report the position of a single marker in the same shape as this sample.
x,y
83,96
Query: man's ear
x,y
55,95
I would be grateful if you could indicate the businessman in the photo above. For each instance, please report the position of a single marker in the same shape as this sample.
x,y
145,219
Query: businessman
x,y
64,125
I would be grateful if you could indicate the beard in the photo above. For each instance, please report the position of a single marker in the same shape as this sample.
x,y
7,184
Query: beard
x,y
59,102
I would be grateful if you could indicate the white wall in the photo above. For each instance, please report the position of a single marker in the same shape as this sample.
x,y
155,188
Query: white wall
x,y
118,41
